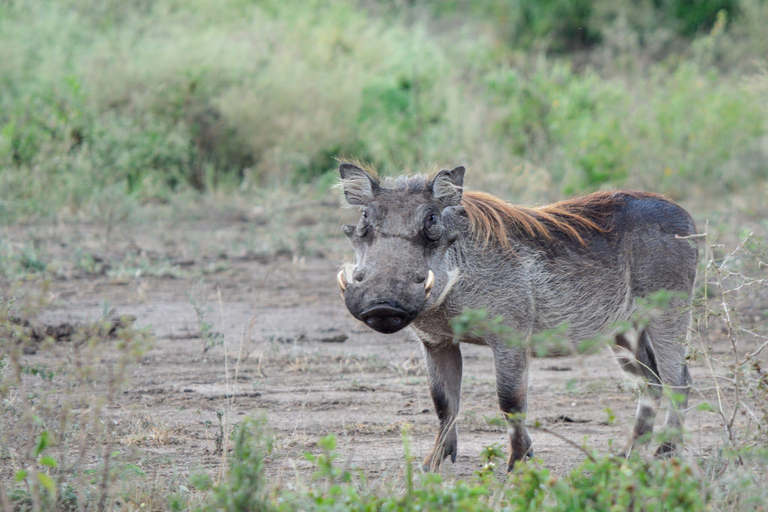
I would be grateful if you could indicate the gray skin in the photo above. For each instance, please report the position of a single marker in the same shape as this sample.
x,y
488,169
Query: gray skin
x,y
413,224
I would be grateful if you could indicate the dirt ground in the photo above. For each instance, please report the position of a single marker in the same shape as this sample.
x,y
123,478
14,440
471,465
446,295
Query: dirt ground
x,y
286,346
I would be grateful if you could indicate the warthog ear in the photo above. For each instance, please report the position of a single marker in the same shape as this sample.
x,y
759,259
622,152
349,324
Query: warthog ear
x,y
357,184
447,186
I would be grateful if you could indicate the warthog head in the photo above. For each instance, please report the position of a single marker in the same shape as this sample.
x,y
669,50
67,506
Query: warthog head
x,y
403,233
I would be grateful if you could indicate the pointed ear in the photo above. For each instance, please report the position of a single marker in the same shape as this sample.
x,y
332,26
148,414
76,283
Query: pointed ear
x,y
357,184
447,186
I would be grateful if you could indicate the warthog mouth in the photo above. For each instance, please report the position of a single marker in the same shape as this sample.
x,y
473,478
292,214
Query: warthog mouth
x,y
383,315
387,317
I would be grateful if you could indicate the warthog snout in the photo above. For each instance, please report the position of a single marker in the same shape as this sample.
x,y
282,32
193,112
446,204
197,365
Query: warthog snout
x,y
369,302
386,316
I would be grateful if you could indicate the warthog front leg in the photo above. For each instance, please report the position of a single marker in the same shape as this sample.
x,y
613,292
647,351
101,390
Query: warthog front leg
x,y
444,366
512,388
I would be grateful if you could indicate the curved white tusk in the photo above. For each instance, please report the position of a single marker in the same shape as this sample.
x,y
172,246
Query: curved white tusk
x,y
429,283
341,280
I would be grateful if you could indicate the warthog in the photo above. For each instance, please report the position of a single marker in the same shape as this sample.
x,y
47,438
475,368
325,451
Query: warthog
x,y
426,251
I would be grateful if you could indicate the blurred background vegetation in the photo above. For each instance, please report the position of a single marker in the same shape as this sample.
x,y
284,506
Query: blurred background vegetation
x,y
540,98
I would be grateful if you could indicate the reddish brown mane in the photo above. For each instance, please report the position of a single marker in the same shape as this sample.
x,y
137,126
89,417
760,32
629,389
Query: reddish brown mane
x,y
493,220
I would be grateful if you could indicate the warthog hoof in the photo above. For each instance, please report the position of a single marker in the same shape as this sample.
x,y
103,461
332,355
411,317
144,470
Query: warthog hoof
x,y
665,450
434,460
528,455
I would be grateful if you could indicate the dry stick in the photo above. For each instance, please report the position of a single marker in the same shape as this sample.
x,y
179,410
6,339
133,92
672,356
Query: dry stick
x,y
4,498
104,486
252,322
66,417
756,353
563,438
63,466
80,462
223,470
258,365
301,410
26,407
720,394
730,328
727,423
440,444
752,414
707,248
83,427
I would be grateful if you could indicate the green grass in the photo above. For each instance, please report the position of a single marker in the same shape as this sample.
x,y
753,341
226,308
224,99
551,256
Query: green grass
x,y
158,97
605,483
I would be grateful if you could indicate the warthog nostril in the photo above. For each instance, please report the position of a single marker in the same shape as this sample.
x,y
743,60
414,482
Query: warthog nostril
x,y
358,276
387,316
393,322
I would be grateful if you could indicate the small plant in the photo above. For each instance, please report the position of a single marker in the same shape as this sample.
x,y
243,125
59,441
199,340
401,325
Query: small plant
x,y
608,483
111,207
244,487
54,416
209,338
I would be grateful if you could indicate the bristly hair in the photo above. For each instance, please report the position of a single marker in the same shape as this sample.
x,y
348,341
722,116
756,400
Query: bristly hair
x,y
493,220
371,170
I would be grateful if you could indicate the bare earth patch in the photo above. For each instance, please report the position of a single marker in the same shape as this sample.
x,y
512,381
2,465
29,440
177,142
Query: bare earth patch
x,y
283,343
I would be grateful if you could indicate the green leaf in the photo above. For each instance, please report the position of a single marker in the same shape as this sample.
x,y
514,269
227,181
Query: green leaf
x,y
678,398
496,421
21,475
47,482
43,441
200,481
705,407
135,469
49,461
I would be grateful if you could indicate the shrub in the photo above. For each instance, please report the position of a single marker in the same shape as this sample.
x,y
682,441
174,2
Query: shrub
x,y
605,483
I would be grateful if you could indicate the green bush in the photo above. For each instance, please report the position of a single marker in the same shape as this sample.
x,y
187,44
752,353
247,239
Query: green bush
x,y
611,484
580,117
606,483
563,26
158,97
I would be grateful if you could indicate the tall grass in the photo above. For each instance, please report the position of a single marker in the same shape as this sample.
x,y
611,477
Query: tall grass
x,y
168,95
57,438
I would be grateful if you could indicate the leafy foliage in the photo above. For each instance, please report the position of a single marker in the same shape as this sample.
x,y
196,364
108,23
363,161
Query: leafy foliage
x,y
149,98
603,484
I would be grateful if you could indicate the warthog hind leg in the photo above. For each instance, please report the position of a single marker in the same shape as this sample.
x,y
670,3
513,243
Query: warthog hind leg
x,y
635,356
444,366
667,335
660,363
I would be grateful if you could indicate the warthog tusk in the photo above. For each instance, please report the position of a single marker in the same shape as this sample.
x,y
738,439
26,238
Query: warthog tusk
x,y
341,280
429,284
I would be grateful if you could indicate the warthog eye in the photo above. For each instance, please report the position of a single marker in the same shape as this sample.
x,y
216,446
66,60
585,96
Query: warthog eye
x,y
432,227
362,227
